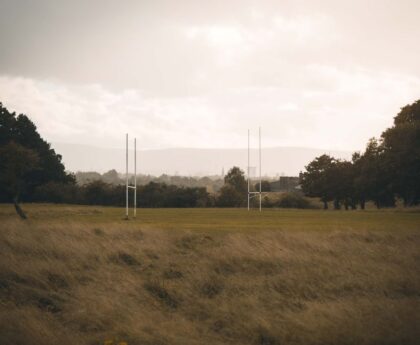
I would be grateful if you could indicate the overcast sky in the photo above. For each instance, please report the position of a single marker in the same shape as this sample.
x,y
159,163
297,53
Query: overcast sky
x,y
325,74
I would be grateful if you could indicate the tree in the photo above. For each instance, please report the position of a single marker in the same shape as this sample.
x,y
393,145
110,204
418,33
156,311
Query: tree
x,y
359,191
235,177
341,178
265,186
374,176
18,135
16,163
111,176
316,180
401,153
233,193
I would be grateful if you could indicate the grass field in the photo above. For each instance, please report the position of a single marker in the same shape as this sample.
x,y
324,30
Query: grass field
x,y
83,275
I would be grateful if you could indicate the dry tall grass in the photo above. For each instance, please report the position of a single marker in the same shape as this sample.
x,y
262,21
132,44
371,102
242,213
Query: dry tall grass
x,y
78,283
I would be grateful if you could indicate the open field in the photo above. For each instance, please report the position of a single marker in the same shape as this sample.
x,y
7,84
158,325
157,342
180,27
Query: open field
x,y
82,275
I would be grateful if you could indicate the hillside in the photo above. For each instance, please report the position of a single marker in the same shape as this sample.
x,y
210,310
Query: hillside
x,y
80,275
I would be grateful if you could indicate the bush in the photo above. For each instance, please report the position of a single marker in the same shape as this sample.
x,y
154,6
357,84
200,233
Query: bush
x,y
289,200
57,193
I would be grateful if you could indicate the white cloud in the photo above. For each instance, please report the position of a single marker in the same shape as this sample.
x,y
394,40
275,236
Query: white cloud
x,y
351,106
93,115
266,32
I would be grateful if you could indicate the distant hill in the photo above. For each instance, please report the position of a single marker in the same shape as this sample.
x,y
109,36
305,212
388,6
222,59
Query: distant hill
x,y
190,161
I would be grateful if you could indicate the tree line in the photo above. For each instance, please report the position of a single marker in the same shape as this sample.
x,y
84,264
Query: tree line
x,y
211,183
387,170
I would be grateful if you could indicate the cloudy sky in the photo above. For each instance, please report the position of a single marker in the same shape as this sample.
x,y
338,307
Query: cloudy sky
x,y
325,74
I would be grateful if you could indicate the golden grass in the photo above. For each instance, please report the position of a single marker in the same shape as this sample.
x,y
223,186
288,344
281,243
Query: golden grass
x,y
81,275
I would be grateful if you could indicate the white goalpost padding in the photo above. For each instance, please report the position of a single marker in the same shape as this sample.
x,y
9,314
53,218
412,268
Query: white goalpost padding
x,y
127,185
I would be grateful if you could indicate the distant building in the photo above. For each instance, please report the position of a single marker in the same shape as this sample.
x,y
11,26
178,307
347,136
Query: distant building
x,y
285,184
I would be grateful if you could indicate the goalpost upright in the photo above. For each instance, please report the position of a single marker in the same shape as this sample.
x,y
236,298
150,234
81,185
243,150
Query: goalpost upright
x,y
259,137
247,174
127,185
126,176
252,194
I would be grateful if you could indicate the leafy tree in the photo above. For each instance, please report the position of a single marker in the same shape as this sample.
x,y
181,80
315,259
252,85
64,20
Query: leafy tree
x,y
265,186
341,178
235,177
22,131
359,191
230,197
401,151
316,180
20,143
16,164
376,176
234,191
111,176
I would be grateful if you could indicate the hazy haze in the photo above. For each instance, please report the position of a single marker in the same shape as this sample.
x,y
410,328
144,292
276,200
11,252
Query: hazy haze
x,y
193,162
198,74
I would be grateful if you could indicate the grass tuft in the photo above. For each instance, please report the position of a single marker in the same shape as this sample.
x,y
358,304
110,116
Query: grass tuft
x,y
160,292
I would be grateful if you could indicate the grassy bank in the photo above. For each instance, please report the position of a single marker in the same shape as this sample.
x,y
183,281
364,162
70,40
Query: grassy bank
x,y
209,276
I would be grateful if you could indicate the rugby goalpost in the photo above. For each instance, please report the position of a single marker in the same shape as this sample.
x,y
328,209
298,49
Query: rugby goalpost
x,y
127,184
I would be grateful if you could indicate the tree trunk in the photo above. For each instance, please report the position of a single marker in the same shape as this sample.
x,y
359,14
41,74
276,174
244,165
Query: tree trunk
x,y
325,205
346,204
362,204
18,209
337,205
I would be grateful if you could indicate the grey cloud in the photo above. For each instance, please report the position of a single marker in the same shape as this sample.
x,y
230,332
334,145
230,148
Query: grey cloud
x,y
142,44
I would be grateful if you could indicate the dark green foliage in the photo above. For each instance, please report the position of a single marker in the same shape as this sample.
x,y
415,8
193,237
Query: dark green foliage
x,y
56,192
230,197
21,131
318,178
233,193
401,146
16,163
163,195
235,178
288,200
374,180
101,193
293,200
265,186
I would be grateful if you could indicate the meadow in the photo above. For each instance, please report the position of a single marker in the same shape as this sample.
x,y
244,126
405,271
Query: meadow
x,y
83,275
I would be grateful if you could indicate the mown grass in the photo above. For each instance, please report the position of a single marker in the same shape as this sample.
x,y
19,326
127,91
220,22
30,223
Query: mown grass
x,y
82,275
216,219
